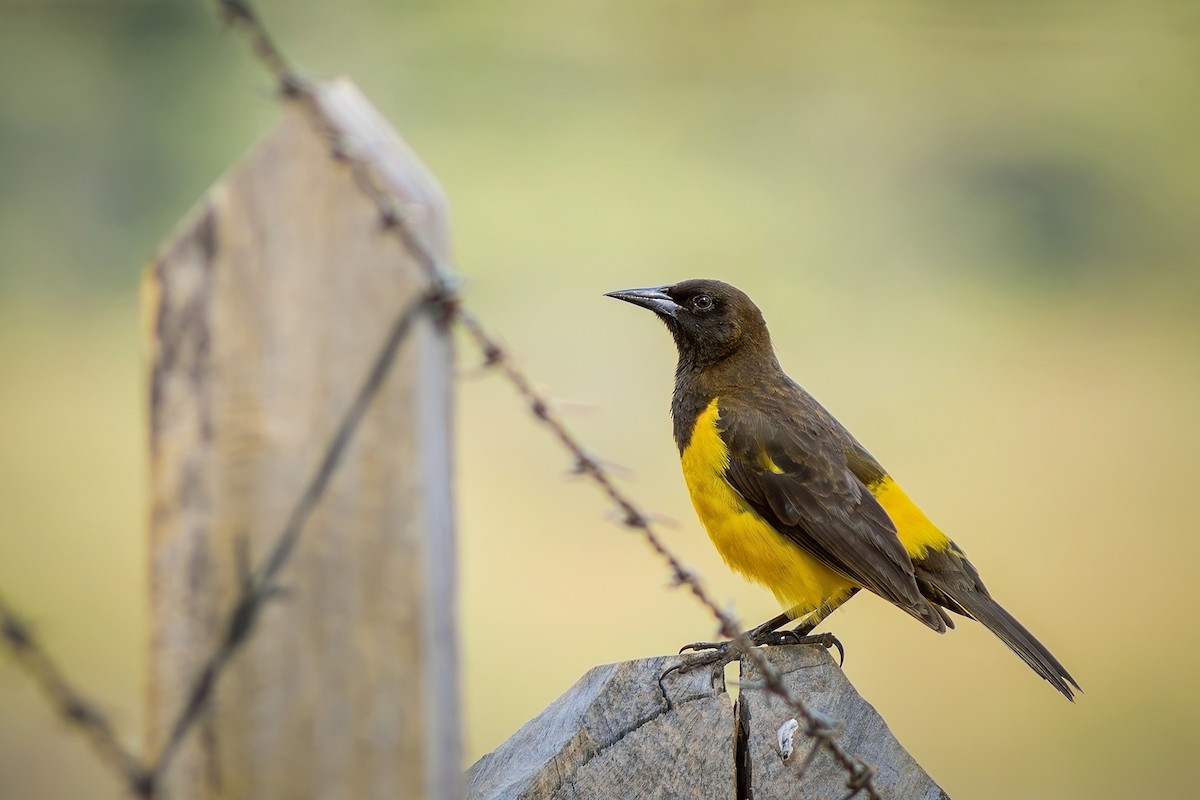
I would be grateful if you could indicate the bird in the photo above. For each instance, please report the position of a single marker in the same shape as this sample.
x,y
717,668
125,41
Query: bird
x,y
789,497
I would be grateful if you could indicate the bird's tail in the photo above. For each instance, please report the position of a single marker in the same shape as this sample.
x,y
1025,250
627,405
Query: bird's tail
x,y
980,606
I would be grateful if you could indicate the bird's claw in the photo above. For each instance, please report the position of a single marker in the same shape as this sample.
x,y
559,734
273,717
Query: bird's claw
x,y
826,640
720,654
698,646
775,639
717,653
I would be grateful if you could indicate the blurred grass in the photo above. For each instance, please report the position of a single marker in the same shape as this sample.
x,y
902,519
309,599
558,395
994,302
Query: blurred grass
x,y
972,229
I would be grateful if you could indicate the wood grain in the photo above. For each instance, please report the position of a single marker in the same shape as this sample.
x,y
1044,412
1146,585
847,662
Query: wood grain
x,y
811,674
265,312
613,735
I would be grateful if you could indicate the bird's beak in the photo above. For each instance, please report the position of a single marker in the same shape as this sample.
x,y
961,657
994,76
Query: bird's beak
x,y
654,299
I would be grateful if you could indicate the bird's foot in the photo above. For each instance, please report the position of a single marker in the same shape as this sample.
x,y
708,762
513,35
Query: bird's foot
x,y
728,651
700,646
826,640
719,654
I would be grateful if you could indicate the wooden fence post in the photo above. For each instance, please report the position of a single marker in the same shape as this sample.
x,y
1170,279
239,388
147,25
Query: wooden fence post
x,y
265,313
641,729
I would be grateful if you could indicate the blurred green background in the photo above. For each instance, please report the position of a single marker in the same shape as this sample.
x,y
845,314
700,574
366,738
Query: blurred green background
x,y
973,228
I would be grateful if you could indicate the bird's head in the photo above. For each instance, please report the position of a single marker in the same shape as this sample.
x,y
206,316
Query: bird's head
x,y
710,320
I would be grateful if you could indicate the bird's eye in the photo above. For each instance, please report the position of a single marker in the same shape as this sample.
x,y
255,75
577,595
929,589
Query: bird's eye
x,y
702,302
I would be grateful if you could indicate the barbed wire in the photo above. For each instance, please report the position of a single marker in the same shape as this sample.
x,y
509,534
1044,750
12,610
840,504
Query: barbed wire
x,y
73,706
259,586
293,88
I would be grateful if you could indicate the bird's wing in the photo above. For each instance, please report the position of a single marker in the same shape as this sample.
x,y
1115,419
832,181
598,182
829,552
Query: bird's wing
x,y
790,471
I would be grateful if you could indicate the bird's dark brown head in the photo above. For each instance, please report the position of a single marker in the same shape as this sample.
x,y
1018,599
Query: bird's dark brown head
x,y
710,320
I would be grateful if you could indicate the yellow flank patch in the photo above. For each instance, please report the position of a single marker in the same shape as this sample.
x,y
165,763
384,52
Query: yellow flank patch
x,y
765,462
745,540
917,533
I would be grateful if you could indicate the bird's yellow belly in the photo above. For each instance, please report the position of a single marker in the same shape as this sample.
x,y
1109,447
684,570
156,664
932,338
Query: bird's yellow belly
x,y
745,541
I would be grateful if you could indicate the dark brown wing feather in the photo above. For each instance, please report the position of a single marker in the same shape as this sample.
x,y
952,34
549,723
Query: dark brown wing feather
x,y
816,500
949,579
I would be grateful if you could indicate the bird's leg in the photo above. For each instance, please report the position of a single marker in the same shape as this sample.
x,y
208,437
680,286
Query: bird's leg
x,y
754,634
802,634
724,653
768,633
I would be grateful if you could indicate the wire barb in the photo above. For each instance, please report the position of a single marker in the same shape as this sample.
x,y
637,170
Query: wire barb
x,y
75,708
240,14
259,586
808,759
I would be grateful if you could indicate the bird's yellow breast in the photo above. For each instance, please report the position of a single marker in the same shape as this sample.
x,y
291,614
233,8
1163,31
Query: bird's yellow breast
x,y
747,543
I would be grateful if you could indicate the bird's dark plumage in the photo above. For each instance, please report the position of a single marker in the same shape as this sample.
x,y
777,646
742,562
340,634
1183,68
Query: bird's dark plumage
x,y
789,496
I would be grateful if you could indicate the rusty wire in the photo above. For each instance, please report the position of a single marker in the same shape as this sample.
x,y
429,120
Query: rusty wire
x,y
76,709
259,586
293,88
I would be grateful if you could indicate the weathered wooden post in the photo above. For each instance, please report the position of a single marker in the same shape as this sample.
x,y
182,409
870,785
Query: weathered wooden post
x,y
265,312
621,733
765,730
